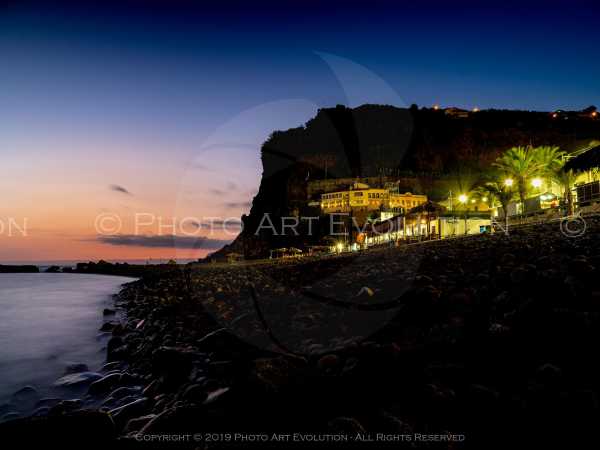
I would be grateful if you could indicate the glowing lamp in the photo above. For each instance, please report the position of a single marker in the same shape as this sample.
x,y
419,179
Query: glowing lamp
x,y
536,182
462,198
508,182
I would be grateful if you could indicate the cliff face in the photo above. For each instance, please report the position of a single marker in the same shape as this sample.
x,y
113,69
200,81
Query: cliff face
x,y
416,145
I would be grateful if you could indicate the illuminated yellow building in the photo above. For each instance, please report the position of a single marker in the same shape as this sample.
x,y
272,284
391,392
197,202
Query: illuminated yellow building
x,y
361,197
406,201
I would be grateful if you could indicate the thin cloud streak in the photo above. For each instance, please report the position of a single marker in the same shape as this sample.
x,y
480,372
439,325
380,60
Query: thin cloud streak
x,y
231,223
238,204
167,241
118,188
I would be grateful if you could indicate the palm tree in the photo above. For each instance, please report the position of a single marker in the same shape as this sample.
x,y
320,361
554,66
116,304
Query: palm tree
x,y
521,163
566,179
551,159
497,192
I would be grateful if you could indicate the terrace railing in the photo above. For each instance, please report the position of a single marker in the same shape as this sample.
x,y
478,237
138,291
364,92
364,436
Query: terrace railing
x,y
588,193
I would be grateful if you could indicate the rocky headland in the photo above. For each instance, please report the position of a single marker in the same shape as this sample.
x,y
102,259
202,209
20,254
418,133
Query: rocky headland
x,y
424,150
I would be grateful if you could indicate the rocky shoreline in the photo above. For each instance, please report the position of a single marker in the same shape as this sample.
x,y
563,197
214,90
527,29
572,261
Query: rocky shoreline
x,y
492,338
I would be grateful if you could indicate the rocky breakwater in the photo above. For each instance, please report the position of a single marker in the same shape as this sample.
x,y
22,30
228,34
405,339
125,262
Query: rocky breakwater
x,y
489,338
18,269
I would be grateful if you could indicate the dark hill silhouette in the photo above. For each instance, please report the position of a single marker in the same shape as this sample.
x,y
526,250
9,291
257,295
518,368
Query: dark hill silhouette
x,y
383,140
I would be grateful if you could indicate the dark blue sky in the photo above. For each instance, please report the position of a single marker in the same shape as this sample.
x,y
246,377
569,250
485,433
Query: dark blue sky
x,y
503,54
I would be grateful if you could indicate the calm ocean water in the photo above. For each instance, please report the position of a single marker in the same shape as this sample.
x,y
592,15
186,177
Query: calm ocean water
x,y
48,321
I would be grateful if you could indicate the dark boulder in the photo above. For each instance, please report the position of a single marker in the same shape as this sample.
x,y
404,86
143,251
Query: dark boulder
x,y
172,364
48,401
217,396
329,364
137,423
123,414
114,343
151,388
104,384
25,397
194,393
271,375
116,349
345,425
114,365
41,411
77,379
124,391
107,326
65,406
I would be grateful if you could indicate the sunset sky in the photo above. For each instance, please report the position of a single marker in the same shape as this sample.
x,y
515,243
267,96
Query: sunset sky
x,y
159,108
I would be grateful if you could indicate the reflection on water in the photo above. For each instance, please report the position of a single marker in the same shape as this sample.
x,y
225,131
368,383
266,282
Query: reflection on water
x,y
48,321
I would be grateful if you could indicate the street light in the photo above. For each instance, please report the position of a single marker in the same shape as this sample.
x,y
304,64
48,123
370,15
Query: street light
x,y
536,182
463,199
508,182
